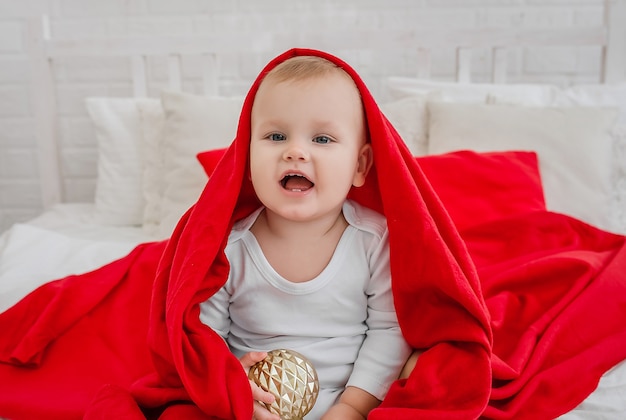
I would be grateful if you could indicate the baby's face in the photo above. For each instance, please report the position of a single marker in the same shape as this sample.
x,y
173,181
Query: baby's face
x,y
307,145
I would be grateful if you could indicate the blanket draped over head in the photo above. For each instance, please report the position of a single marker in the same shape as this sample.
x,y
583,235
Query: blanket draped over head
x,y
125,341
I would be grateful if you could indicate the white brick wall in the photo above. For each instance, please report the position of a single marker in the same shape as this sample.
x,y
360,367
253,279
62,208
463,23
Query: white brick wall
x,y
19,183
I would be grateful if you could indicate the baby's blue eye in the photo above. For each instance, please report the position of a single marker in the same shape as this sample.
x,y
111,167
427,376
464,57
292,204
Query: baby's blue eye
x,y
276,137
322,139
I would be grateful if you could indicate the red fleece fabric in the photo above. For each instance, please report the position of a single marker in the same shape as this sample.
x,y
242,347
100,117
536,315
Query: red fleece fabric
x,y
550,307
480,187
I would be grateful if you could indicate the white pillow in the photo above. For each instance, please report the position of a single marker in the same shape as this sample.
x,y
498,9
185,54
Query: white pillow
x,y
118,196
152,122
408,116
522,94
192,124
614,96
573,144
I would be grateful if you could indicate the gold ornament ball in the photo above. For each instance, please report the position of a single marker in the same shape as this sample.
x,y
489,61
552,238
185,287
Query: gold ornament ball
x,y
291,378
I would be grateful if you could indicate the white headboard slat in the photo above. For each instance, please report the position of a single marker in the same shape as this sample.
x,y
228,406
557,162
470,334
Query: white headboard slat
x,y
424,63
174,74
614,60
499,66
44,104
210,74
463,65
140,79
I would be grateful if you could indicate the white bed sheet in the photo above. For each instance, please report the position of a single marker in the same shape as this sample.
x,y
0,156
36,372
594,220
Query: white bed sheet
x,y
66,240
607,402
62,241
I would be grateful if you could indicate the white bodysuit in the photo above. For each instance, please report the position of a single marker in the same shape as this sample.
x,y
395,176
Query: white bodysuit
x,y
343,320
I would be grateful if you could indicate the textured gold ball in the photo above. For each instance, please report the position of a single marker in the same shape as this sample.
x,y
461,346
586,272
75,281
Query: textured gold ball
x,y
291,378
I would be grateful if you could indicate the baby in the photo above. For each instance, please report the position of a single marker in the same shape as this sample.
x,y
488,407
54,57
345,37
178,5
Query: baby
x,y
310,268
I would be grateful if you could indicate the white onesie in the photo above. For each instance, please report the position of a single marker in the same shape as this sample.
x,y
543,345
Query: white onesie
x,y
343,320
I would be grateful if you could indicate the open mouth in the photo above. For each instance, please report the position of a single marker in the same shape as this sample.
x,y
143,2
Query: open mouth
x,y
296,183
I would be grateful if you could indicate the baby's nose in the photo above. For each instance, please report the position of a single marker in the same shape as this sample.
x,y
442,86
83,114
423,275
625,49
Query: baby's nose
x,y
296,152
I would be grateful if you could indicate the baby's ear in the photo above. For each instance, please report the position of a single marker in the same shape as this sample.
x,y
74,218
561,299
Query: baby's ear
x,y
363,166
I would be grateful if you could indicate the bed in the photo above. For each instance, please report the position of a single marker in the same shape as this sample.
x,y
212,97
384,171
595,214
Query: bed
x,y
568,140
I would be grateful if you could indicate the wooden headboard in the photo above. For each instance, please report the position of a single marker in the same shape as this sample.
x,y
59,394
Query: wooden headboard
x,y
419,43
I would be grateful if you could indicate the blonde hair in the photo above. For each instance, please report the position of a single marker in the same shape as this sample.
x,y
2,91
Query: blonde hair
x,y
302,68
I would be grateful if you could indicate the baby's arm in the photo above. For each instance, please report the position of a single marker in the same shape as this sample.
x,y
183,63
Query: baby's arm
x,y
354,403
384,350
410,364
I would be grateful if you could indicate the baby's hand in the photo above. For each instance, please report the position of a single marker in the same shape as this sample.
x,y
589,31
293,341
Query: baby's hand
x,y
258,394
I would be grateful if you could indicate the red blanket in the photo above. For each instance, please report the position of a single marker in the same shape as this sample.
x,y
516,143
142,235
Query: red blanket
x,y
125,341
